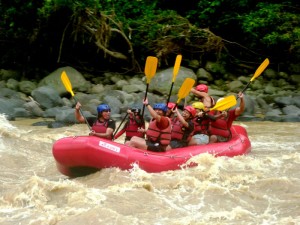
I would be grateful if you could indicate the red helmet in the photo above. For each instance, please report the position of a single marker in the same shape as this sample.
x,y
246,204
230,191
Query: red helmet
x,y
171,105
202,88
191,110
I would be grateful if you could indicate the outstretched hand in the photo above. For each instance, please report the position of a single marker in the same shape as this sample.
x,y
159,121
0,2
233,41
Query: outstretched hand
x,y
145,101
92,133
78,106
240,95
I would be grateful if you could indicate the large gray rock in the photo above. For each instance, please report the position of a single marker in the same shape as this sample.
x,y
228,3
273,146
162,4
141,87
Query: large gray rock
x,y
77,80
291,110
133,88
47,97
204,75
161,83
27,86
296,100
67,116
34,108
7,106
52,112
235,86
284,101
8,93
12,84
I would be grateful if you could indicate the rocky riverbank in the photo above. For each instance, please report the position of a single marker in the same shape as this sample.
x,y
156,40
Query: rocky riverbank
x,y
273,96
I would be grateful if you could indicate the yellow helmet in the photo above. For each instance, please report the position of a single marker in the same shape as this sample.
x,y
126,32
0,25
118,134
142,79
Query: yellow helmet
x,y
198,105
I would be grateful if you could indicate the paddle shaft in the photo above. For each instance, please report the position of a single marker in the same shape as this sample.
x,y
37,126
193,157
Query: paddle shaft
x,y
246,86
147,86
81,112
170,93
175,72
120,125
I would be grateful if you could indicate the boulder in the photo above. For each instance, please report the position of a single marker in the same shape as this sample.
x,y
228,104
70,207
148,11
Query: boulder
x,y
27,86
47,97
77,80
161,83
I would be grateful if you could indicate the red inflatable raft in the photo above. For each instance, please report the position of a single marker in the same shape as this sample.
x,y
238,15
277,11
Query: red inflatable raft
x,y
82,155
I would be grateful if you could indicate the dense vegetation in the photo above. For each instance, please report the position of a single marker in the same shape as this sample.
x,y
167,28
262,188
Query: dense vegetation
x,y
117,35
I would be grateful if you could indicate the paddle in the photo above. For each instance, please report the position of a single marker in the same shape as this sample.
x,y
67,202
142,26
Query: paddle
x,y
119,126
258,72
175,72
225,103
150,70
65,79
184,89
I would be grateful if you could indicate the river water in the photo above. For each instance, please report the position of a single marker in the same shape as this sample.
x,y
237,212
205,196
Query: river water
x,y
262,187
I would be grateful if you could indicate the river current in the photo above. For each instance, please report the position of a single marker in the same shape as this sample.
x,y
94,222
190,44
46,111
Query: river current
x,y
262,187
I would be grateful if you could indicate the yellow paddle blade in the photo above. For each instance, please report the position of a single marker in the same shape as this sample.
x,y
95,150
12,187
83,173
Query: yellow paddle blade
x,y
260,69
176,67
185,88
150,68
225,103
65,79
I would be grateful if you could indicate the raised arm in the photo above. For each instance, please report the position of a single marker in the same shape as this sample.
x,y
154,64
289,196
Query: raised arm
x,y
78,116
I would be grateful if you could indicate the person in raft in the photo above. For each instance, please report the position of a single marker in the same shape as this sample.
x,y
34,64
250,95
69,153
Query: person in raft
x,y
201,125
134,126
170,112
102,126
158,134
220,129
201,92
182,128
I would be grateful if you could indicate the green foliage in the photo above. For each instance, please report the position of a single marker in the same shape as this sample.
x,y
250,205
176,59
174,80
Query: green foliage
x,y
129,9
273,25
270,27
17,18
215,13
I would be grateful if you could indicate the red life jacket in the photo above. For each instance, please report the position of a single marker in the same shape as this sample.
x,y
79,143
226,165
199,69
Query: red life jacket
x,y
201,125
179,131
132,129
156,135
220,128
100,127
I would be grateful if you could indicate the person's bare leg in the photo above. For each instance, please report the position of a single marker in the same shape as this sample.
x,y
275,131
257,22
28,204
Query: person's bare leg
x,y
137,142
213,139
168,148
192,142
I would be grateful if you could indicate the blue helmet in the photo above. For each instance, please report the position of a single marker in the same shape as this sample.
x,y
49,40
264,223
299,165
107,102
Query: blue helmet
x,y
161,106
102,107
